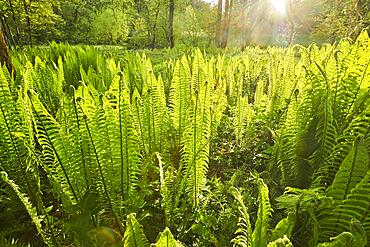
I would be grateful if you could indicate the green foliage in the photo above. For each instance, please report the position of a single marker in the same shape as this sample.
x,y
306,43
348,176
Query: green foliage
x,y
259,234
101,152
134,236
244,231
166,239
283,242
36,219
245,236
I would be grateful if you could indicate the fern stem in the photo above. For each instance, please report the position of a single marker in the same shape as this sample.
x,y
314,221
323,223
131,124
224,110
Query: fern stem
x,y
120,135
140,125
195,151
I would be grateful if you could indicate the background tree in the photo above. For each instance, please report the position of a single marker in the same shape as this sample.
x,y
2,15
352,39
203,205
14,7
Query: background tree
x,y
4,54
218,23
139,24
171,13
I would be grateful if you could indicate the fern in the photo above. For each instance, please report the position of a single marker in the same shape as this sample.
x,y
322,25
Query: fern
x,y
36,219
180,98
259,235
196,138
245,235
284,227
55,154
284,241
244,231
166,239
354,207
134,235
352,171
357,237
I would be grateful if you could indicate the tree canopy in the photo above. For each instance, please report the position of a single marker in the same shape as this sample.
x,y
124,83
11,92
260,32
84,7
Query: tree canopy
x,y
159,23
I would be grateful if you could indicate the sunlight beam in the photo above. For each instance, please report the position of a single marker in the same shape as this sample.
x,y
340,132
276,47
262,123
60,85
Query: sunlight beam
x,y
279,6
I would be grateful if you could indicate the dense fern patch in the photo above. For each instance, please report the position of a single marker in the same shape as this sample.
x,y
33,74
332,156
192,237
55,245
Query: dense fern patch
x,y
268,147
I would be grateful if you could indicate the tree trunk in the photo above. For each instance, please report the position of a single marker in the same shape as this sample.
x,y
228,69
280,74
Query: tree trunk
x,y
7,32
291,22
171,12
152,45
227,18
28,21
218,23
14,20
4,55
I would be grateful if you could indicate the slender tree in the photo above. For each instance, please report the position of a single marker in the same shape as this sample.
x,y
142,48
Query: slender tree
x,y
227,19
291,21
155,24
171,13
218,23
28,20
14,19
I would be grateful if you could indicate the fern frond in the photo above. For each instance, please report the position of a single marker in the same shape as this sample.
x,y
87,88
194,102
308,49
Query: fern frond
x,y
355,207
259,235
196,138
36,219
244,231
55,152
134,235
166,239
284,227
351,172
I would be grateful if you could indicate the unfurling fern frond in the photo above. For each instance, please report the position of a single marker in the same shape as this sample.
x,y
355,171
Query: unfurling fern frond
x,y
281,242
170,196
134,235
259,236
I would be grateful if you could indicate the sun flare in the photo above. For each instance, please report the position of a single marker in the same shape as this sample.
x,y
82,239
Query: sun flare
x,y
279,6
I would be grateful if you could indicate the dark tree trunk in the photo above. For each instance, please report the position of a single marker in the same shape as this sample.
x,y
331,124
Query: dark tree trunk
x,y
14,20
171,12
218,23
7,32
152,45
28,21
4,55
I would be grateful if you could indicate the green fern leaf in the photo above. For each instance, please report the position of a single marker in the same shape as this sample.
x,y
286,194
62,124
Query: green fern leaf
x,y
166,239
134,235
244,231
259,235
